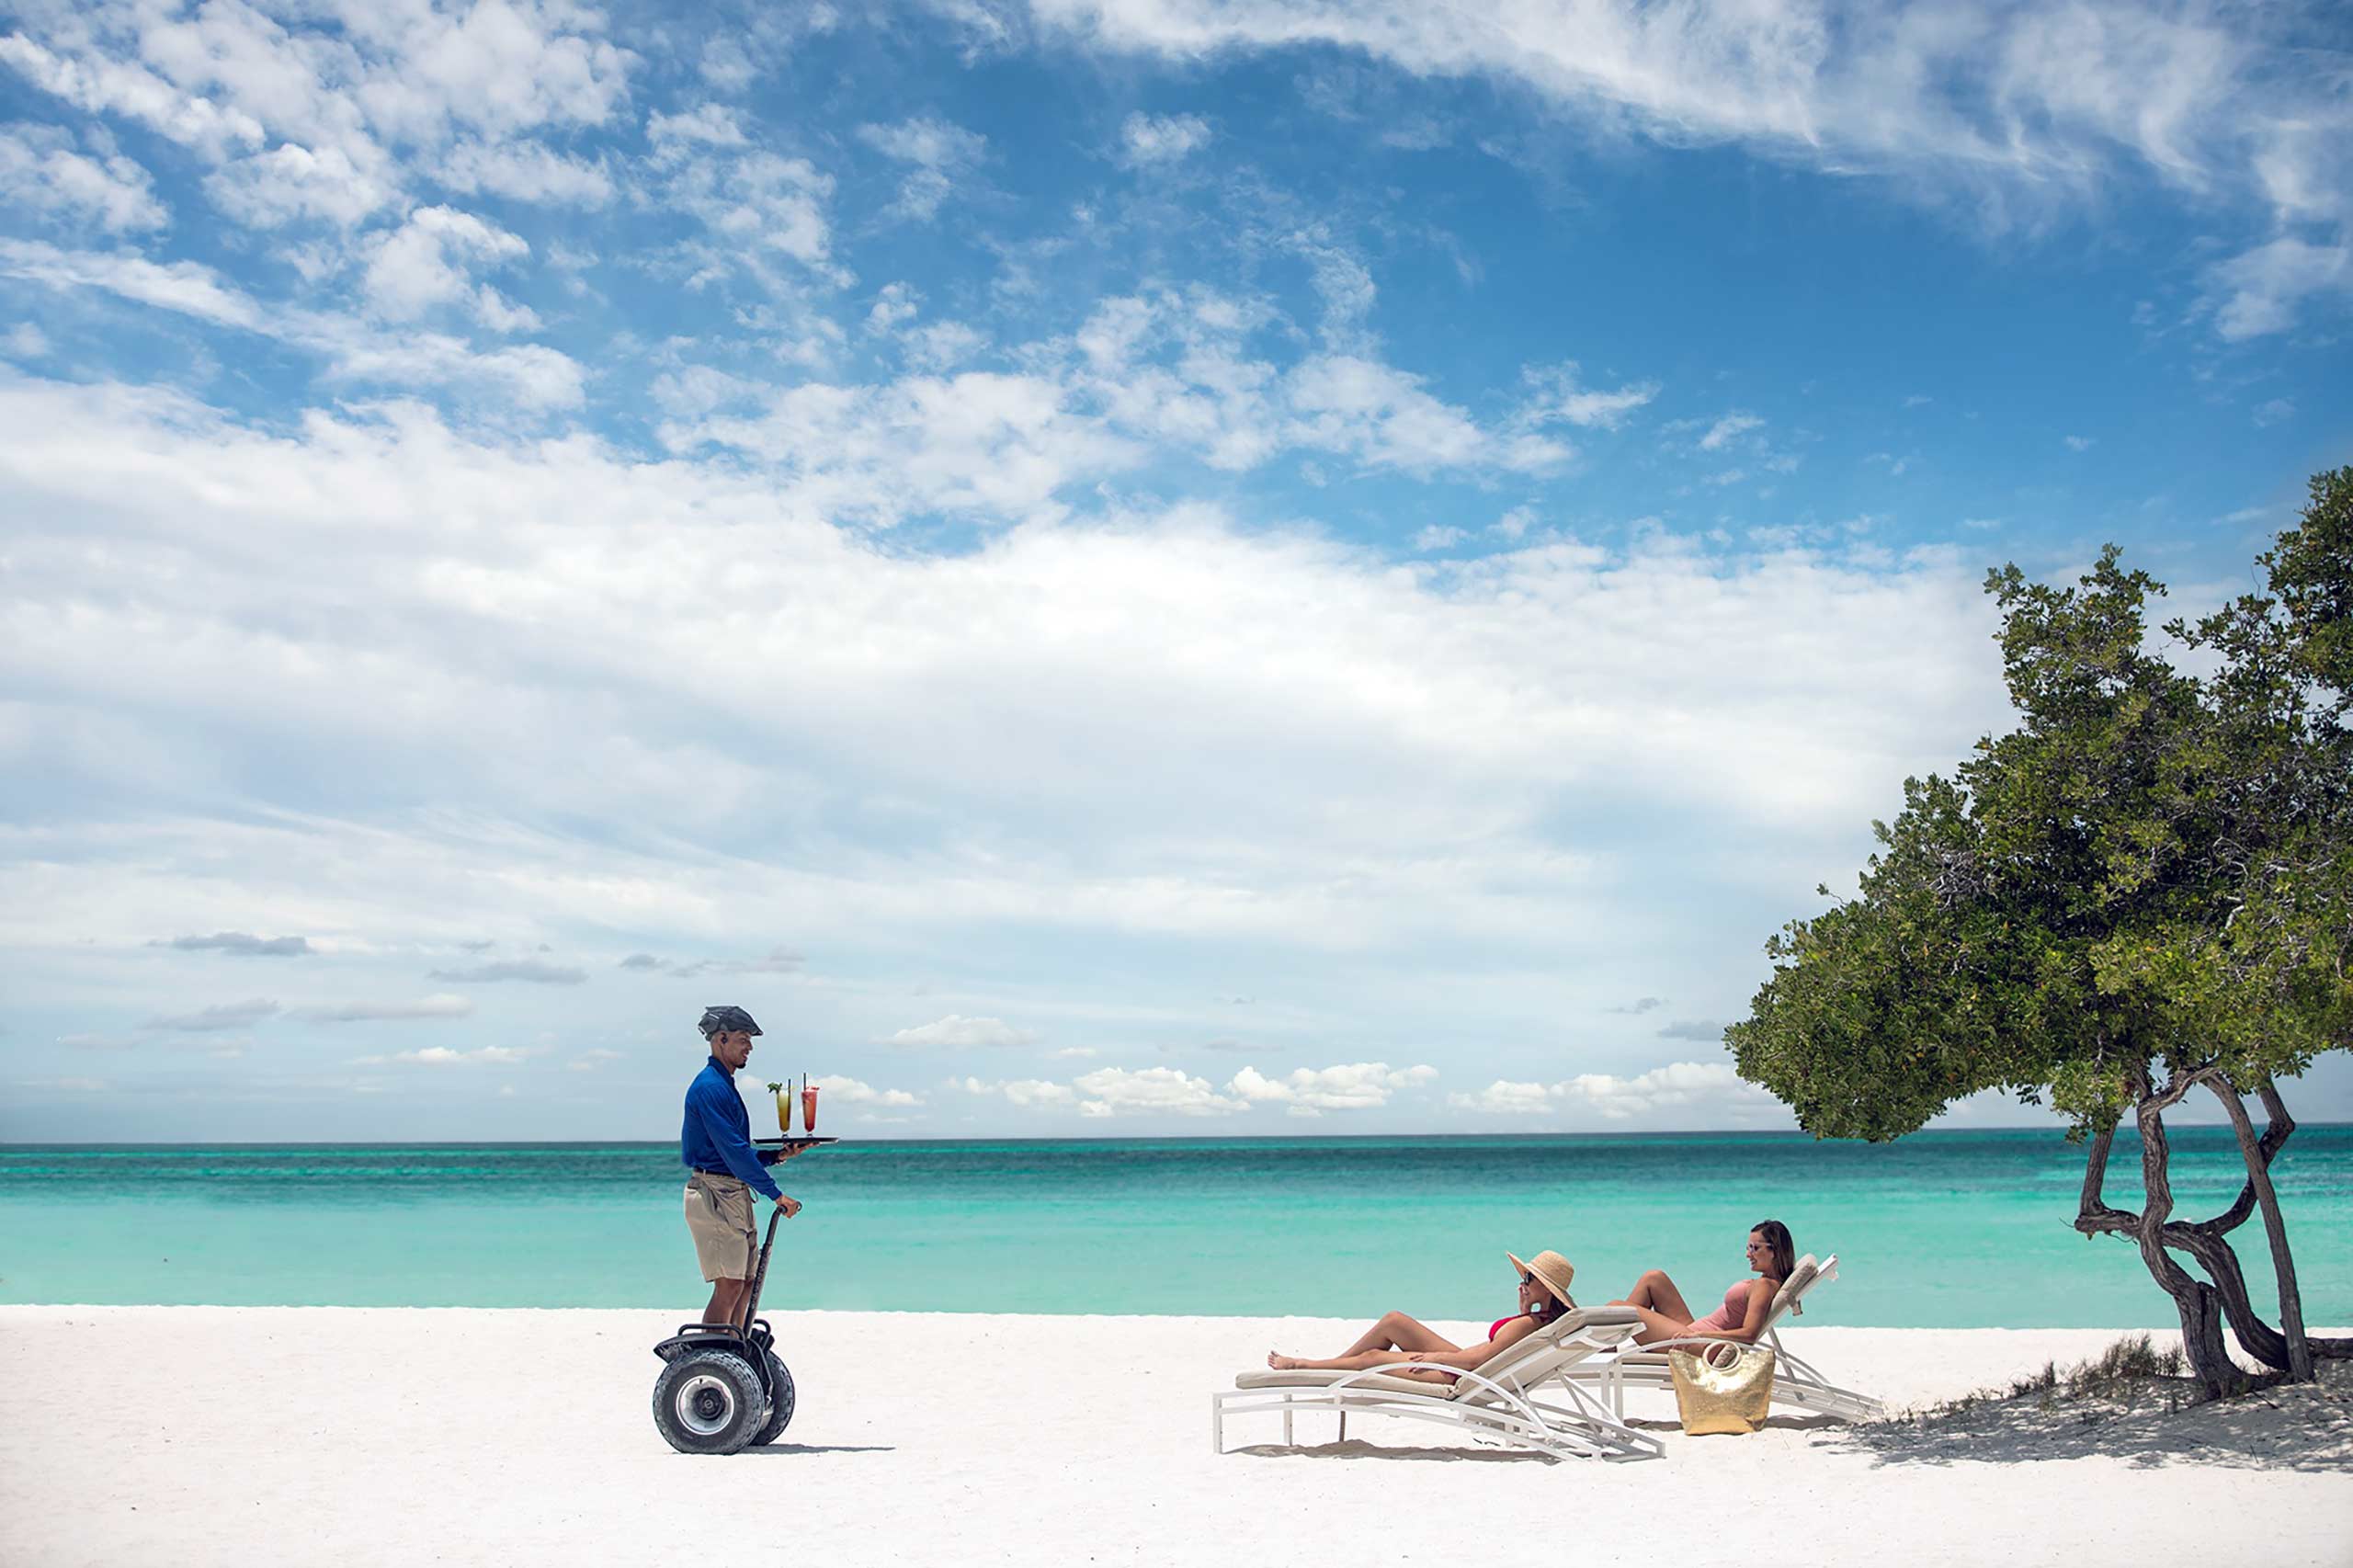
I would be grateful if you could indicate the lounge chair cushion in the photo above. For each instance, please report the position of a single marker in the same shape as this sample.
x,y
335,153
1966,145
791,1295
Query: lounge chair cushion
x,y
1786,1298
1497,1367
1317,1380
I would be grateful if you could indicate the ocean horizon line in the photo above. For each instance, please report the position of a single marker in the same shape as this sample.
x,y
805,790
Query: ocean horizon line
x,y
1777,1134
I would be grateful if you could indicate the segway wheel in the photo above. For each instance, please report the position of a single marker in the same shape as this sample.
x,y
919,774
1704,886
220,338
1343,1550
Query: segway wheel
x,y
709,1402
780,1402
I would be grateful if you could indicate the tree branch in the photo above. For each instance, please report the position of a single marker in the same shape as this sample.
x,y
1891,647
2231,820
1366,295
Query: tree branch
x,y
2278,1127
2093,1216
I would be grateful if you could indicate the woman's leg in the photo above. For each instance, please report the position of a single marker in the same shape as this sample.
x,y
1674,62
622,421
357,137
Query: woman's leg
x,y
1394,1332
1656,1292
1657,1325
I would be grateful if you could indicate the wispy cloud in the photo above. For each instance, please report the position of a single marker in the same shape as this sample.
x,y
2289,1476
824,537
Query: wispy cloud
x,y
440,1005
532,971
222,1016
777,959
957,1030
1360,1086
853,1091
243,942
1161,139
940,153
1723,431
1710,1090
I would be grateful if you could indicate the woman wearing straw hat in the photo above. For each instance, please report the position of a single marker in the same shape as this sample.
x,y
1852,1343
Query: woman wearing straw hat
x,y
1544,1296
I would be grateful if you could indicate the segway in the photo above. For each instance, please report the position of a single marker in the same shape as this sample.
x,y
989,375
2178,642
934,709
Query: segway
x,y
723,1389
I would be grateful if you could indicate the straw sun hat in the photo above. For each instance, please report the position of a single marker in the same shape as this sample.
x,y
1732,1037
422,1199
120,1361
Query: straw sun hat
x,y
1551,1270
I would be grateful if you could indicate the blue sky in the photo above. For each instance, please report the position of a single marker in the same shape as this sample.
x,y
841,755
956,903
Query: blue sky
x,y
1104,568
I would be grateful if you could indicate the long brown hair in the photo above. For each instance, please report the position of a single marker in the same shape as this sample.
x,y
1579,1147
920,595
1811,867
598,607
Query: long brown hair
x,y
1778,1240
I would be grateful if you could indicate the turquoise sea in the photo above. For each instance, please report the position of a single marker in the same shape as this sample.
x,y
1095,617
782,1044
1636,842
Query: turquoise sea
x,y
1942,1229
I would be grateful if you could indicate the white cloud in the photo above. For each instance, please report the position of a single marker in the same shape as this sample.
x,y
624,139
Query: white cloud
x,y
185,287
2081,443
957,1030
1711,1092
24,341
527,171
530,376
309,115
704,125
1556,394
942,345
1384,418
895,305
1505,1097
852,1091
224,1016
426,261
1119,1091
443,1056
1259,735
941,153
439,1006
90,1041
696,390
291,182
2014,110
2261,291
1439,535
755,203
1023,1091
40,172
1360,1086
1116,1091
529,970
1161,139
2275,411
1723,431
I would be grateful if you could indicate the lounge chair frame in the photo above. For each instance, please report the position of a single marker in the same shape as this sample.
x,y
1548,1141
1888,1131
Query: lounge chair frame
x,y
1504,1411
1795,1380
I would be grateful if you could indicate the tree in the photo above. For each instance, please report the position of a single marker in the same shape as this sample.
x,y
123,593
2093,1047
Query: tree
x,y
2143,890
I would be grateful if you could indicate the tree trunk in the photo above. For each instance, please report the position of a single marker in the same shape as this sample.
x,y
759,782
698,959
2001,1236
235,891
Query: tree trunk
x,y
2198,1303
2275,1226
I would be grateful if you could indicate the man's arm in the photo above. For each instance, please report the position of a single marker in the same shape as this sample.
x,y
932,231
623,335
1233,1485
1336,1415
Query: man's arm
x,y
734,1148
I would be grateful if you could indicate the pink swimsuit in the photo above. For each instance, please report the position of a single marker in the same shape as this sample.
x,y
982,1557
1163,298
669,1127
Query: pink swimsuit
x,y
1731,1315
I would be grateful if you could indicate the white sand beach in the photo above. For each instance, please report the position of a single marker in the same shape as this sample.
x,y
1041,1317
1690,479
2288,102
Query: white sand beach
x,y
243,1436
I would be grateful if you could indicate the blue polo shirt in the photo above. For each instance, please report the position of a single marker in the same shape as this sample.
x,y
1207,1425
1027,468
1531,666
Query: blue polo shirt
x,y
717,1131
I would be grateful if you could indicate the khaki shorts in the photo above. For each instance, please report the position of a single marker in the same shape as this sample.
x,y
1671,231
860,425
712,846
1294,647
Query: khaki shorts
x,y
719,1215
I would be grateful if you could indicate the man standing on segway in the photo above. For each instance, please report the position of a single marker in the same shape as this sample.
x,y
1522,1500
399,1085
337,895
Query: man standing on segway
x,y
716,1147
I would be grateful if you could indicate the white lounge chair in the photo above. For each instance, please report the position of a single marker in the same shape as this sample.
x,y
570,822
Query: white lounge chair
x,y
1499,1399
1795,1380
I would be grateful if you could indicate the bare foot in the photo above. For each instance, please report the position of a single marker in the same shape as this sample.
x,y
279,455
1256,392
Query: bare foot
x,y
1282,1363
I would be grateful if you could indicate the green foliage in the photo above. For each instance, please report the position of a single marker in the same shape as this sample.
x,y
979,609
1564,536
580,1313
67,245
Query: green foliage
x,y
2153,871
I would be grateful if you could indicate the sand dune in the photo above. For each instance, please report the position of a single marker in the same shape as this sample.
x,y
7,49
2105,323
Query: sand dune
x,y
198,1436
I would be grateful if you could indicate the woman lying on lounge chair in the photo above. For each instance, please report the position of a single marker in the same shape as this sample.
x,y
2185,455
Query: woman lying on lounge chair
x,y
1543,1297
1666,1316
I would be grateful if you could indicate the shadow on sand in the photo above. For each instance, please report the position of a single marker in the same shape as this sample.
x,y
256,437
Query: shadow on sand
x,y
2306,1426
1358,1449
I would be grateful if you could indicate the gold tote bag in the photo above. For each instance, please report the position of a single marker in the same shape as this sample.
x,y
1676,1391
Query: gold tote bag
x,y
1733,1398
